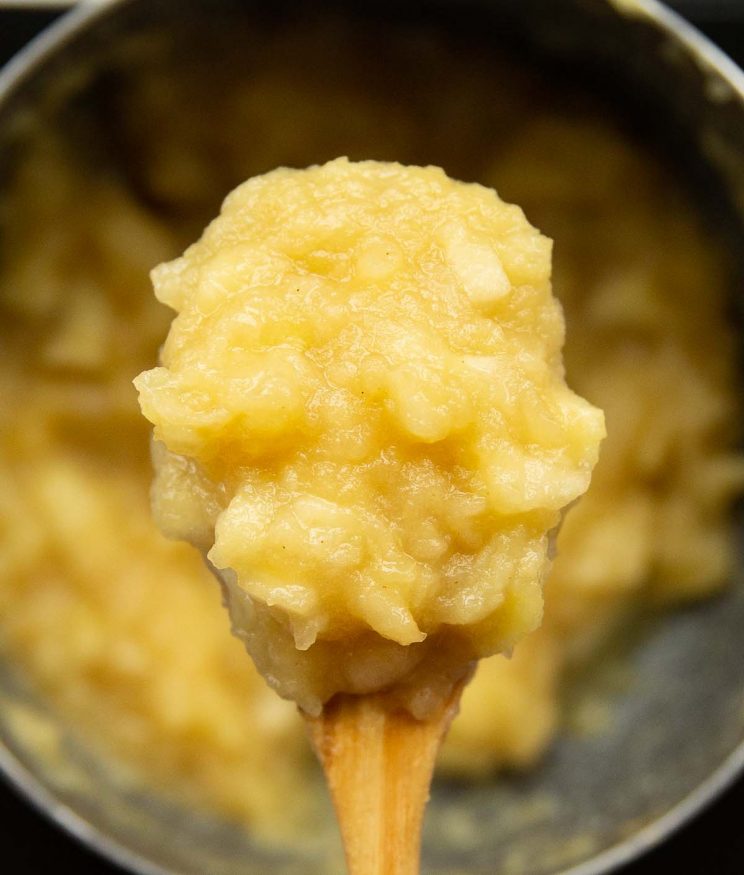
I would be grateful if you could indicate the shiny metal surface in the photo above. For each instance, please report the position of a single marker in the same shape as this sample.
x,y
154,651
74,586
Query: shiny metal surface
x,y
678,738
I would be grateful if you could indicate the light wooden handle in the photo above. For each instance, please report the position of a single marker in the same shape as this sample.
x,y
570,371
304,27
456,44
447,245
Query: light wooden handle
x,y
378,761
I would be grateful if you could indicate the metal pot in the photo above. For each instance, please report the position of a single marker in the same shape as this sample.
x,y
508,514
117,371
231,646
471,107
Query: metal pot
x,y
678,739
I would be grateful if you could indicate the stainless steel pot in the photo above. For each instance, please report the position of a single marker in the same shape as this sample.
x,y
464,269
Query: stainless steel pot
x,y
678,739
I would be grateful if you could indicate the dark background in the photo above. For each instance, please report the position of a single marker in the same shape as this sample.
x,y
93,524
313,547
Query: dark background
x,y
713,844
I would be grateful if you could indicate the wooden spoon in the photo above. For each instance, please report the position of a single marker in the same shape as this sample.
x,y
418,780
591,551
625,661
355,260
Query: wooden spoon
x,y
378,761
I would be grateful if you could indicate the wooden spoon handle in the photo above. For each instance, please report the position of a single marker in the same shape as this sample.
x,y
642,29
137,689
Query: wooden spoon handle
x,y
378,761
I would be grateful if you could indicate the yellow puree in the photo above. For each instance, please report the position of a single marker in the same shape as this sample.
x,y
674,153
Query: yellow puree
x,y
123,631
361,419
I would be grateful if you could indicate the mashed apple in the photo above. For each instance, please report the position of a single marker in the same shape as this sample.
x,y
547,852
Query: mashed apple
x,y
120,630
364,421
